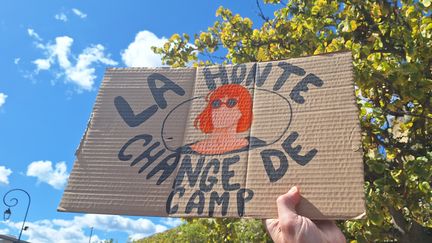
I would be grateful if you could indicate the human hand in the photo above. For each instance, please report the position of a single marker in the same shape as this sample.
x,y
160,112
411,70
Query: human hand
x,y
293,228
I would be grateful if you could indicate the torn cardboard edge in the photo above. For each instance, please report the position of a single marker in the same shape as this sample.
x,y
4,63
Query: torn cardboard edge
x,y
98,112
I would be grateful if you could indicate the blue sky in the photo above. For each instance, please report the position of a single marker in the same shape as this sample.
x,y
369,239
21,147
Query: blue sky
x,y
52,58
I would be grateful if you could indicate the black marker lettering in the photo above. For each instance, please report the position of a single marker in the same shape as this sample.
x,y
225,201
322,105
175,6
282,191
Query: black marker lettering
x,y
186,168
223,199
243,196
288,69
128,115
302,86
199,205
294,152
150,158
210,77
273,173
262,77
212,179
158,93
164,166
251,75
146,154
227,174
173,209
147,139
235,77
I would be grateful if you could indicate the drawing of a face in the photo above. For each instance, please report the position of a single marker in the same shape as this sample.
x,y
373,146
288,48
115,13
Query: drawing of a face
x,y
225,119
227,113
228,105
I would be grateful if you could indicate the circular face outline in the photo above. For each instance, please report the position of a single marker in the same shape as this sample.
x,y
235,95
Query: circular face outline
x,y
230,152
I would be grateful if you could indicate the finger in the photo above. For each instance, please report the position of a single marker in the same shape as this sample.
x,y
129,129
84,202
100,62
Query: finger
x,y
270,225
269,222
287,202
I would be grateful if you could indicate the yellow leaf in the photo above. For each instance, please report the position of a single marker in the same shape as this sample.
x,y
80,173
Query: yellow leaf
x,y
376,10
353,25
390,156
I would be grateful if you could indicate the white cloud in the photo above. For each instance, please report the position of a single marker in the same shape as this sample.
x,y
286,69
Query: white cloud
x,y
2,99
78,70
173,222
61,17
4,175
4,231
17,60
45,231
139,53
79,13
33,34
109,223
45,172
42,64
76,229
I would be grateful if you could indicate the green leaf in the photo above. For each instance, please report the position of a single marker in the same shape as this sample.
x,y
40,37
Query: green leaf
x,y
424,187
396,174
376,219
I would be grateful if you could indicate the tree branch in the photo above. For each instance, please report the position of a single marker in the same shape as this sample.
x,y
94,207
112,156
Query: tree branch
x,y
261,13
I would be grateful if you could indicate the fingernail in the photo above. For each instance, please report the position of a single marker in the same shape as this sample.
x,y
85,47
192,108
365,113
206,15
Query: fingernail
x,y
293,189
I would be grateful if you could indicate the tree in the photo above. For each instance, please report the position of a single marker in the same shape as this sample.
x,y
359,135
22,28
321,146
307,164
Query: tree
x,y
213,230
391,43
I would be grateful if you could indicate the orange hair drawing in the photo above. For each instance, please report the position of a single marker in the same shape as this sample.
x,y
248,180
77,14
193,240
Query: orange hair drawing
x,y
244,102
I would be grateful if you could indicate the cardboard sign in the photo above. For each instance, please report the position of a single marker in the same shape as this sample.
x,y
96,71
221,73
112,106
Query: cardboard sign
x,y
222,141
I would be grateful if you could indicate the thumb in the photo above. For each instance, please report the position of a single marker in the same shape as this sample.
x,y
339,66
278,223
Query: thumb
x,y
287,202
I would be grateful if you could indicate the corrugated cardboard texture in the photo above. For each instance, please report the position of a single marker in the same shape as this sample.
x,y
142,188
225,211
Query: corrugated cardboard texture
x,y
222,141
